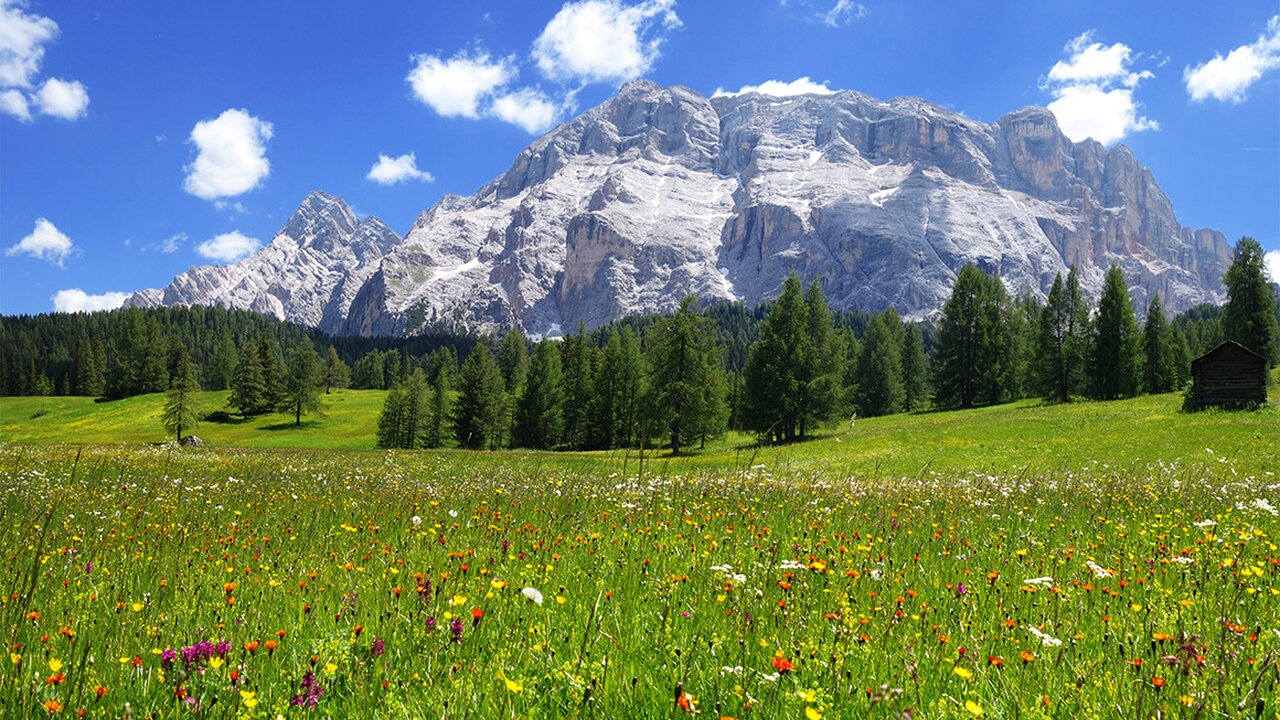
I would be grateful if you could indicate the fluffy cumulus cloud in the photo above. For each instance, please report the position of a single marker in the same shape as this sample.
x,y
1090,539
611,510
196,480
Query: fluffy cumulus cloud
x,y
62,98
778,88
392,170
1272,261
1229,78
460,85
231,155
23,37
603,40
1093,91
228,247
77,300
527,108
45,242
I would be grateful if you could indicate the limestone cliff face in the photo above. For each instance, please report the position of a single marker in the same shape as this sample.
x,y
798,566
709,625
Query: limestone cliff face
x,y
661,192
310,273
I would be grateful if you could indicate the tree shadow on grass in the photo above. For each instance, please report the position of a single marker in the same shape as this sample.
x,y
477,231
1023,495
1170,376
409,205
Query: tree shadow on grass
x,y
222,417
290,425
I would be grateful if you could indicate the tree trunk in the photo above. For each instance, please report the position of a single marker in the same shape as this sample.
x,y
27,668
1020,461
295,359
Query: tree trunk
x,y
297,418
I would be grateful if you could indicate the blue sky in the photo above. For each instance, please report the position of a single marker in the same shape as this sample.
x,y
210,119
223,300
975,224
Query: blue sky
x,y
139,138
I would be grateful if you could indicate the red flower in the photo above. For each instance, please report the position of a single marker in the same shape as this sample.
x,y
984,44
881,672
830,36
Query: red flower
x,y
783,665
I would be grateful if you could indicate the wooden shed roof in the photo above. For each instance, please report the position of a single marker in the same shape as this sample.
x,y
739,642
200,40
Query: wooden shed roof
x,y
1230,346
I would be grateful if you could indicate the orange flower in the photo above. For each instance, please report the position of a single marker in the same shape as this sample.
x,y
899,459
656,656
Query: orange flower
x,y
1158,681
476,614
53,706
685,701
1027,656
995,661
783,665
55,679
100,691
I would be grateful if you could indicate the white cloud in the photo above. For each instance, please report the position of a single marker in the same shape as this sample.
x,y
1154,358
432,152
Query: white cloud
x,y
1272,262
228,247
45,242
232,155
13,102
77,300
169,245
527,108
389,170
457,86
22,39
603,40
1088,111
843,13
1229,78
778,88
1093,91
61,98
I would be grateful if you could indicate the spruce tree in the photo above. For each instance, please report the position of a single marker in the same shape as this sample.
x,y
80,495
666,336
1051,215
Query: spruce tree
x,y
513,360
540,413
1159,374
438,417
1180,357
180,404
578,363
336,374
477,415
1250,314
272,390
879,384
777,366
222,363
300,387
405,419
1116,360
915,370
680,346
391,419
973,358
248,394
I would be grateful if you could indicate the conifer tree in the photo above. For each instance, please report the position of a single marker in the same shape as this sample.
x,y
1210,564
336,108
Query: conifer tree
x,y
300,389
1250,314
578,364
477,415
180,404
879,384
679,348
617,390
248,394
513,360
405,419
540,412
1180,357
1159,374
847,346
221,368
390,431
336,374
438,417
1058,360
972,362
272,392
915,370
778,364
1116,360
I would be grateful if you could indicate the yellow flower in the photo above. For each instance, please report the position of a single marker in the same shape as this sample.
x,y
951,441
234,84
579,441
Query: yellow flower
x,y
458,600
330,669
249,698
512,685
216,662
808,696
965,673
55,664
560,599
137,607
813,713
15,658
973,707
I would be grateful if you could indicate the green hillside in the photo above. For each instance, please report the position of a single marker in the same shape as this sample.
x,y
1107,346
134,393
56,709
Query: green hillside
x,y
1012,437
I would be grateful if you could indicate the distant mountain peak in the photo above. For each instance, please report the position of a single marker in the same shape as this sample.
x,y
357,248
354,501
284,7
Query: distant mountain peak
x,y
660,192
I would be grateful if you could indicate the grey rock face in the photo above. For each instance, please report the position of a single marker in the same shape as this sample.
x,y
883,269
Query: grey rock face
x,y
661,192
309,274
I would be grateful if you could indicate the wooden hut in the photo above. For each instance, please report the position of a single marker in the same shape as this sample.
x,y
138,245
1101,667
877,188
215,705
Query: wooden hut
x,y
1229,375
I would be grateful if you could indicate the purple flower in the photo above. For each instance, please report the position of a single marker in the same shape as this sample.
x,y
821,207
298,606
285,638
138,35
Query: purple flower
x,y
375,648
506,545
455,629
961,589
309,693
431,623
168,656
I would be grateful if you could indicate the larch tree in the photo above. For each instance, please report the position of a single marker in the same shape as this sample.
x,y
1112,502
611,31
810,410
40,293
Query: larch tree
x,y
180,403
540,413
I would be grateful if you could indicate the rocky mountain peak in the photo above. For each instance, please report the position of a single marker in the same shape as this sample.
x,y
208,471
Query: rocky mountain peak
x,y
661,192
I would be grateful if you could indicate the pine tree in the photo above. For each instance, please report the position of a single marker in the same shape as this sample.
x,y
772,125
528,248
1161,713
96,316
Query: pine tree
x,y
847,345
477,414
777,365
89,371
540,412
578,363
406,411
879,384
1159,374
1058,366
1250,314
915,370
1023,327
300,388
820,381
180,403
513,360
272,391
1116,362
438,417
336,374
248,394
390,420
973,357
679,348
1180,357
221,369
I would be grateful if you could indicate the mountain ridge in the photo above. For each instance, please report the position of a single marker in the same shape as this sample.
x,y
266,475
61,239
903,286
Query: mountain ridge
x,y
660,192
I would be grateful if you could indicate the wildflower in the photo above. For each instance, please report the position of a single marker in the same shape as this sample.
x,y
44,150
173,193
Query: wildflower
x,y
100,691
1159,682
783,665
476,616
533,595
1027,656
1098,570
686,702
53,706
512,685
455,629
974,708
812,713
961,589
1045,581
376,647
1045,638
309,694
964,673
249,698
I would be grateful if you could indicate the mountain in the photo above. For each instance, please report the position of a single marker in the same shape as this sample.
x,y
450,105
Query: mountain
x,y
660,192
309,273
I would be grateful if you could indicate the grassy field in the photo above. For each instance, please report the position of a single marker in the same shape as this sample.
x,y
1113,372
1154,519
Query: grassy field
x,y
1092,560
1023,436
